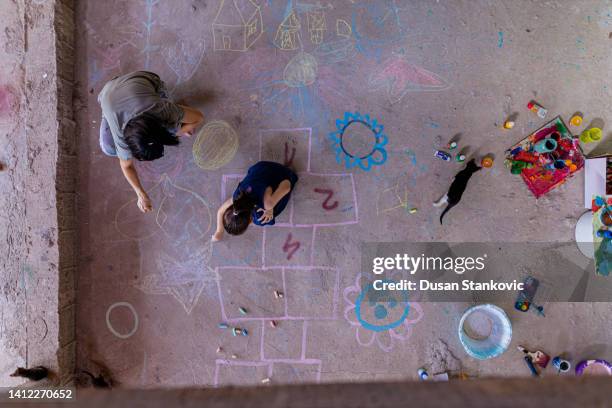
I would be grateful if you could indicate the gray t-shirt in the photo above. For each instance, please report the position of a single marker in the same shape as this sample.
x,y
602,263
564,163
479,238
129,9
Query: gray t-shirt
x,y
130,95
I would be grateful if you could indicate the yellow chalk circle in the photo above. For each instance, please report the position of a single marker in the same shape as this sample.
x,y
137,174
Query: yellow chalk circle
x,y
215,145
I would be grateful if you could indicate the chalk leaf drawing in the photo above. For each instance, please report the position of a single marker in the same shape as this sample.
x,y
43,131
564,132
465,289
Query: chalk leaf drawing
x,y
237,25
359,141
180,214
184,280
288,32
399,77
215,146
343,29
184,58
392,198
380,317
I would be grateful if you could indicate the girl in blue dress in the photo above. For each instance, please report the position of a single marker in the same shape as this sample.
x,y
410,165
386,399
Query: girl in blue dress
x,y
260,197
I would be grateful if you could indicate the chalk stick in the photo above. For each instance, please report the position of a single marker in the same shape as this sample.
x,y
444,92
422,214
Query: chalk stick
x,y
234,356
223,325
413,210
272,323
245,332
219,349
278,295
235,331
265,380
242,310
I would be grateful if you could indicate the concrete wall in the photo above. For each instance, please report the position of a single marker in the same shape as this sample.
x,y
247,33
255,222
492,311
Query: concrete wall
x,y
37,147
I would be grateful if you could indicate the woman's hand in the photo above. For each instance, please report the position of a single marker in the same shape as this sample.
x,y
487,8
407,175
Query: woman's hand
x,y
267,215
217,236
144,203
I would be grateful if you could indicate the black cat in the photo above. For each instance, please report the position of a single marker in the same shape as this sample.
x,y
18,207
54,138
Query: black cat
x,y
34,374
457,187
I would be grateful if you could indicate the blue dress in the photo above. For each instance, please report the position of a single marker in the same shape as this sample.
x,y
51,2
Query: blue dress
x,y
260,176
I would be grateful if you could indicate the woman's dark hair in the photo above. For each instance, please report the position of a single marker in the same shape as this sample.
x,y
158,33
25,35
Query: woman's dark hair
x,y
146,136
237,217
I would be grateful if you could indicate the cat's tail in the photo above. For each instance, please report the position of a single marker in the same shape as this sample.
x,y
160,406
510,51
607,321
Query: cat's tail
x,y
448,207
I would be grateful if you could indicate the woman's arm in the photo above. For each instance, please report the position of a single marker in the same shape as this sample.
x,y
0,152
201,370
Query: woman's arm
x,y
219,232
191,120
129,171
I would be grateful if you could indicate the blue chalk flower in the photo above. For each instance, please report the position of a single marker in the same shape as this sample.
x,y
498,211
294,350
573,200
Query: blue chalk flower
x,y
370,152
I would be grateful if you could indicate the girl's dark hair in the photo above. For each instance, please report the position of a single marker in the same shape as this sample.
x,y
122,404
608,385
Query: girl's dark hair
x,y
237,217
146,136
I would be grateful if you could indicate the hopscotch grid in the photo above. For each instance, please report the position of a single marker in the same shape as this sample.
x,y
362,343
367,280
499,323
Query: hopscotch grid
x,y
304,331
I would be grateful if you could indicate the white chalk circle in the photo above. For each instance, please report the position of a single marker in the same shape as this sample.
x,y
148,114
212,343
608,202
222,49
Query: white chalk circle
x,y
300,71
110,326
487,337
584,235
215,146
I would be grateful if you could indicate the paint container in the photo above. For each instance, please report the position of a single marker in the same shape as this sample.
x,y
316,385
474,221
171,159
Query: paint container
x,y
422,373
594,367
242,310
223,325
487,162
562,366
546,145
537,109
442,155
576,120
508,124
460,158
488,344
452,145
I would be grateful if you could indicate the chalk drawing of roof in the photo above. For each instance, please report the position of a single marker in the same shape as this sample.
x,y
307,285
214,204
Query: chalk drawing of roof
x,y
288,33
237,25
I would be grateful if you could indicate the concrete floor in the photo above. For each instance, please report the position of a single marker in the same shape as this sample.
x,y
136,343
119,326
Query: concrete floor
x,y
152,288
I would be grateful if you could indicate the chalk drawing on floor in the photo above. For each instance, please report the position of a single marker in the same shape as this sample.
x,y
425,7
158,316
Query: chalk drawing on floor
x,y
110,326
343,29
290,264
216,145
288,35
149,48
181,215
237,25
392,198
376,26
359,141
184,58
301,71
316,25
377,317
184,280
398,77
169,165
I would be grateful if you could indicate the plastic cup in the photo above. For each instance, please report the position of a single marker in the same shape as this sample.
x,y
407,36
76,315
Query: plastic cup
x,y
595,134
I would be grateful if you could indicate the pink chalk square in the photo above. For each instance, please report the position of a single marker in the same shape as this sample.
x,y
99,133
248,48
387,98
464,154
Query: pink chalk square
x,y
283,341
290,147
228,372
287,246
324,200
229,183
311,293
252,289
289,373
245,250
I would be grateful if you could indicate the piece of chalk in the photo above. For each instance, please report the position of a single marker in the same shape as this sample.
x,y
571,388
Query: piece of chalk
x,y
219,349
265,381
234,356
235,331
413,210
242,310
278,295
223,325
245,332
272,323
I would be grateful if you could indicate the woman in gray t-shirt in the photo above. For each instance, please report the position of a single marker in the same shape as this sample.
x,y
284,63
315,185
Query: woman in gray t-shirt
x,y
138,120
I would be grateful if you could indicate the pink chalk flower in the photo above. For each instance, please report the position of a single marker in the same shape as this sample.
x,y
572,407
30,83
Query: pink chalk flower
x,y
381,317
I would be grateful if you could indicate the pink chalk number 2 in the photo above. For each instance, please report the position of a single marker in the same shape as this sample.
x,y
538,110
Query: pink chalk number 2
x,y
326,204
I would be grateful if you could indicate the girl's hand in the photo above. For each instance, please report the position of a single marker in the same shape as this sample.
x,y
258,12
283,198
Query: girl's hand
x,y
144,203
217,236
267,216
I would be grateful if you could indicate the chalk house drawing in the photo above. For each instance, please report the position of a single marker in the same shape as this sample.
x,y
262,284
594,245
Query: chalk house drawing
x,y
343,29
399,77
288,32
237,25
373,153
379,317
316,25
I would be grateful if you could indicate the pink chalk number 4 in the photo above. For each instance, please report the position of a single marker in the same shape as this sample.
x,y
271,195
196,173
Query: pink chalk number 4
x,y
290,247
